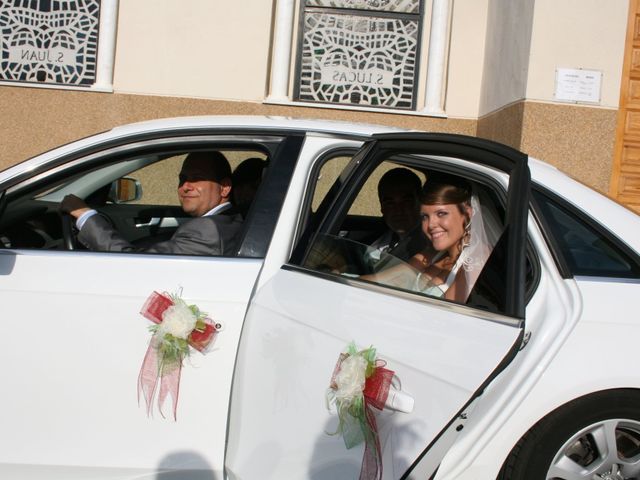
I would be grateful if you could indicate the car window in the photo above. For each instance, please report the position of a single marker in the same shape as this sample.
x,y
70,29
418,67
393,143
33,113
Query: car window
x,y
159,179
583,247
367,202
323,187
363,244
329,172
135,195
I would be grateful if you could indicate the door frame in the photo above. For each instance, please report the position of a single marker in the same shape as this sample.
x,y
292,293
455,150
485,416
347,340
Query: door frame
x,y
626,136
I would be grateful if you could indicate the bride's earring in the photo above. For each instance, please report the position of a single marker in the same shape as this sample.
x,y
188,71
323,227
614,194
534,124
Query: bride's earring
x,y
466,239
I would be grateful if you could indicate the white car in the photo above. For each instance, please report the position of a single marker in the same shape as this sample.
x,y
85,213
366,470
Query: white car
x,y
536,376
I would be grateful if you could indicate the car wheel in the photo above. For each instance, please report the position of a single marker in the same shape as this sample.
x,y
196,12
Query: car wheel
x,y
593,437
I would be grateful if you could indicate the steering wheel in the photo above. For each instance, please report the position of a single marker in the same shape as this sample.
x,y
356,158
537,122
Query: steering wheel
x,y
69,239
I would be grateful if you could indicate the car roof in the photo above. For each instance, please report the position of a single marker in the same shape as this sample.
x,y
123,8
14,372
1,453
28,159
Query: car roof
x,y
258,122
222,122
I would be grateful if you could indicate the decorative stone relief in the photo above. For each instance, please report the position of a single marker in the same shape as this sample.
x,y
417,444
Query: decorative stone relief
x,y
359,60
49,41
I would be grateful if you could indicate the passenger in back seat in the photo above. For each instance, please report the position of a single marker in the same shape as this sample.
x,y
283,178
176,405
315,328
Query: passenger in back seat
x,y
399,192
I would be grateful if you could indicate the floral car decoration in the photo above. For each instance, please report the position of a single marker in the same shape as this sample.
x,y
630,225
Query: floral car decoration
x,y
177,326
359,385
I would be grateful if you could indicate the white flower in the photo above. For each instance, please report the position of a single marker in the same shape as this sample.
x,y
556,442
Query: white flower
x,y
177,320
351,378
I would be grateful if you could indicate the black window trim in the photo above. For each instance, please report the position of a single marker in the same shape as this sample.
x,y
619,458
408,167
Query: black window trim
x,y
265,210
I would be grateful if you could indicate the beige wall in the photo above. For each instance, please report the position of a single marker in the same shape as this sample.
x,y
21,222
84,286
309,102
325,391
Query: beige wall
x,y
199,48
466,58
504,125
587,34
517,104
166,47
579,140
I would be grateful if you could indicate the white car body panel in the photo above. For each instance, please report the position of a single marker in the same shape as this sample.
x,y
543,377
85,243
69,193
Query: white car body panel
x,y
75,374
221,122
289,352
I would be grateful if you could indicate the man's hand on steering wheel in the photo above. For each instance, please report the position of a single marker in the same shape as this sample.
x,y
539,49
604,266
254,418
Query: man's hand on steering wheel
x,y
71,208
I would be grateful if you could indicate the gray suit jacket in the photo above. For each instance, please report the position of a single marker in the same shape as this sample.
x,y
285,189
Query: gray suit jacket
x,y
211,235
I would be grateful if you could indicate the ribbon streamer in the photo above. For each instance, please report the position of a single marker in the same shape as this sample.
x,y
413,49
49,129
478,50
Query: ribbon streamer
x,y
154,374
160,373
357,416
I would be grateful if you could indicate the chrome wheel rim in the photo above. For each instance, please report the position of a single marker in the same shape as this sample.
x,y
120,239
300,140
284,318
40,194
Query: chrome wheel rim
x,y
606,450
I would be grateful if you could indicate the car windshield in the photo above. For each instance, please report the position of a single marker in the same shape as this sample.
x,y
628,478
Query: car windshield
x,y
85,183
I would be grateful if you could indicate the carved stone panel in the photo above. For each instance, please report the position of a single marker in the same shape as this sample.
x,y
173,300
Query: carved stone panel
x,y
359,59
405,6
49,41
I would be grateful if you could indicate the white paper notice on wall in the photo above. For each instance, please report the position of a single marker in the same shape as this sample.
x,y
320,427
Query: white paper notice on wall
x,y
578,85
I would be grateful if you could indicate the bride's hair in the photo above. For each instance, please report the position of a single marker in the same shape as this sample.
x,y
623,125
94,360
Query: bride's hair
x,y
443,189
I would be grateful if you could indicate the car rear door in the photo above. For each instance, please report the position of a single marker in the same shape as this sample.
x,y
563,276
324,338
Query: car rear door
x,y
301,319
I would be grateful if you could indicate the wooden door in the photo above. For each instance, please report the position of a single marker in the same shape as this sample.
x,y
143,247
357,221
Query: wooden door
x,y
625,180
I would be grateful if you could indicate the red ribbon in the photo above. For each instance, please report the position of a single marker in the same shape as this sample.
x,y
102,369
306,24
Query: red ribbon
x,y
155,375
376,391
376,387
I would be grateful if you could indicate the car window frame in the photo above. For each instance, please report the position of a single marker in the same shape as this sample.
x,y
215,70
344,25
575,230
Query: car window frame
x,y
357,181
303,230
282,147
559,257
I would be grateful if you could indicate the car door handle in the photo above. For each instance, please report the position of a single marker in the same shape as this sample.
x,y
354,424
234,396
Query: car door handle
x,y
151,223
399,401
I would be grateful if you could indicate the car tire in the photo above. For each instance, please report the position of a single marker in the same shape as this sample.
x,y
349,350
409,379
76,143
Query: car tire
x,y
593,437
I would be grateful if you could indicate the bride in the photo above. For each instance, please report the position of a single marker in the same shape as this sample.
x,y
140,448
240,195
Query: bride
x,y
452,220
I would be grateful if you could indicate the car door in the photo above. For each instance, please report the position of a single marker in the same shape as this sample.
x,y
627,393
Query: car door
x,y
69,406
302,318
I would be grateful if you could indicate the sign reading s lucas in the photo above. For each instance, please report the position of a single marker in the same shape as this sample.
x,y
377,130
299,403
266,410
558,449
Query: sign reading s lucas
x,y
373,77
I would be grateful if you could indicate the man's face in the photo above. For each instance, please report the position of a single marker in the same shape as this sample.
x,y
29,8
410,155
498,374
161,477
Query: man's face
x,y
400,208
197,190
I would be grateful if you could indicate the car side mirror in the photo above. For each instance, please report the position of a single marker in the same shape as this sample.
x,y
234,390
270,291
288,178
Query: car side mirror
x,y
124,190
